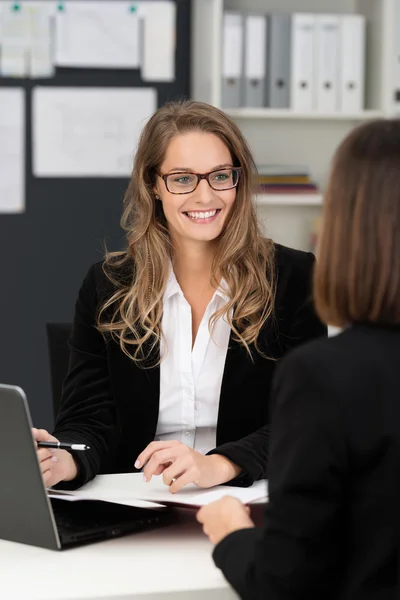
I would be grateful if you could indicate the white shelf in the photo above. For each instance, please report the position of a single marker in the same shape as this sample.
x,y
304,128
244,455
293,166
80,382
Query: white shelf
x,y
289,200
293,137
271,113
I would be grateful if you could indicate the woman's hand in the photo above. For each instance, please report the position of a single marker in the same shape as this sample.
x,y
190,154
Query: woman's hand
x,y
56,465
223,517
180,465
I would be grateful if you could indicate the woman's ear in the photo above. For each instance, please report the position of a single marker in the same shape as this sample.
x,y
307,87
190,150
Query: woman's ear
x,y
156,194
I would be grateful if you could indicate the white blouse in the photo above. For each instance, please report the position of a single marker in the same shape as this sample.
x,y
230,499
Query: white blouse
x,y
190,379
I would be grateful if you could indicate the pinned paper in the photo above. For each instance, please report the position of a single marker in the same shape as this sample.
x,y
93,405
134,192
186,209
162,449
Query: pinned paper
x,y
97,34
15,36
12,150
88,132
159,40
26,38
41,47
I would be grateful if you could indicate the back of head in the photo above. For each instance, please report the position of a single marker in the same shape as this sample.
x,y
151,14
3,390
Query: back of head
x,y
357,278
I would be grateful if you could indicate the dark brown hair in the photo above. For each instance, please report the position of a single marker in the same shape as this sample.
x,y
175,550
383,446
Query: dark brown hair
x,y
357,277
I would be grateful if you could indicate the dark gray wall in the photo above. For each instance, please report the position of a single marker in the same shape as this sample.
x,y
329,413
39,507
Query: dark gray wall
x,y
46,251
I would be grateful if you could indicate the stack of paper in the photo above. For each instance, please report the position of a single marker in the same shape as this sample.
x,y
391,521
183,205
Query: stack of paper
x,y
131,489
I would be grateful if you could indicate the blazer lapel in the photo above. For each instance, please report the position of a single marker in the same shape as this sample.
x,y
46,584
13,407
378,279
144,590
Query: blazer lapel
x,y
230,404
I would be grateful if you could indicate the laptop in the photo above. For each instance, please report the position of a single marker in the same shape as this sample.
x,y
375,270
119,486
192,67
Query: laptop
x,y
29,516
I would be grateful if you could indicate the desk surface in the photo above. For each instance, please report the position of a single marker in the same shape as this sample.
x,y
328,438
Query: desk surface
x,y
170,562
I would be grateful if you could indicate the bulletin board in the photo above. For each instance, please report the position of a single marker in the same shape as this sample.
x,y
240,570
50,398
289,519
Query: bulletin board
x,y
46,251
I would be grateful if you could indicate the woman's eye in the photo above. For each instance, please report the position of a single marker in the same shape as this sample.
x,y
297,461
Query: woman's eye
x,y
183,180
221,177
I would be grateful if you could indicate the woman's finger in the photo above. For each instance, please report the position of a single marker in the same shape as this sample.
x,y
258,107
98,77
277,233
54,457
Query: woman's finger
x,y
46,476
177,469
160,460
44,454
47,464
181,481
153,447
41,435
161,469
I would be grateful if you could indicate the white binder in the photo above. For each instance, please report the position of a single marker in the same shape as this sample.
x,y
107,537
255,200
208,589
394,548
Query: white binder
x,y
255,40
232,60
352,63
302,58
327,46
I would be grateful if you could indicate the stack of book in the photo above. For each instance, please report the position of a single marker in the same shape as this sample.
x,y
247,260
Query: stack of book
x,y
285,179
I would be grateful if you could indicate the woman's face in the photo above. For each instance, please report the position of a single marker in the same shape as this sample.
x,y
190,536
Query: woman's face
x,y
200,214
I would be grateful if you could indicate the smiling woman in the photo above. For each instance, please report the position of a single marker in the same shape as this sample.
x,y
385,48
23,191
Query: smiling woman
x,y
176,338
190,198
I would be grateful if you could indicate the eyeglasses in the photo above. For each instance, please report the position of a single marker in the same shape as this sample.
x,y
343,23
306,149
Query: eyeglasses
x,y
185,183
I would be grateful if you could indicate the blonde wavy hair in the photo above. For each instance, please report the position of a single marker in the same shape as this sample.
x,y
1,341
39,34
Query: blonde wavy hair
x,y
244,258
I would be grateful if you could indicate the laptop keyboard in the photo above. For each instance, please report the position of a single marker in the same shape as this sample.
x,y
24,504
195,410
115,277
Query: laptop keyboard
x,y
86,517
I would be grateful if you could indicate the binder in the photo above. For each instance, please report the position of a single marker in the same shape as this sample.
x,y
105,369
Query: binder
x,y
255,56
279,60
327,46
302,58
352,63
232,60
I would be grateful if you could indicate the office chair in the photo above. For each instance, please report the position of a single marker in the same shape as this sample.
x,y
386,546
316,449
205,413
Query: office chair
x,y
57,341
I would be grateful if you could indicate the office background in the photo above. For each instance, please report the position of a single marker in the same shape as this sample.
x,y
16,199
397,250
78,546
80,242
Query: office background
x,y
46,250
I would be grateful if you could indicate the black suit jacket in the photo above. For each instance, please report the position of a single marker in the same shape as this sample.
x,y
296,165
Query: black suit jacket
x,y
112,405
332,524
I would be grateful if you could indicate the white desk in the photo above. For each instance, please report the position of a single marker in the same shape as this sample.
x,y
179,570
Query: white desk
x,y
171,562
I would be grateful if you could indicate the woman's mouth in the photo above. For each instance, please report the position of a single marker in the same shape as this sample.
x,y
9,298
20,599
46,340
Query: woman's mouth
x,y
202,217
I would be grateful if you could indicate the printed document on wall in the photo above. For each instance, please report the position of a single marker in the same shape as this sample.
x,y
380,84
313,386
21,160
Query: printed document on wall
x,y
97,34
26,39
12,150
159,40
88,132
15,36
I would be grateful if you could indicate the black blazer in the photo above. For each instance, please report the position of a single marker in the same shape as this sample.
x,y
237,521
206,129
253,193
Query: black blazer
x,y
112,405
332,524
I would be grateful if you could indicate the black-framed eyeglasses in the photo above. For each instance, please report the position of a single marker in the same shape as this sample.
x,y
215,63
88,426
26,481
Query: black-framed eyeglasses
x,y
185,183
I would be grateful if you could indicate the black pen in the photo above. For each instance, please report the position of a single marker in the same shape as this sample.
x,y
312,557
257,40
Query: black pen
x,y
63,446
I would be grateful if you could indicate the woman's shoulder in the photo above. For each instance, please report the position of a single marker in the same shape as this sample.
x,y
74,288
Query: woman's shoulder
x,y
289,260
294,272
106,276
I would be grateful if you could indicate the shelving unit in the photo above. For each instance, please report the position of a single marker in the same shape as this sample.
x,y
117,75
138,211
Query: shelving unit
x,y
291,137
289,200
283,114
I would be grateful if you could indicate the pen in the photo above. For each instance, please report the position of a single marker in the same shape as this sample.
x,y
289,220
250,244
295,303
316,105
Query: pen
x,y
63,446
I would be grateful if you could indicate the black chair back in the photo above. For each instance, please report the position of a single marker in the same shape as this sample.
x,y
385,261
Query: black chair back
x,y
57,341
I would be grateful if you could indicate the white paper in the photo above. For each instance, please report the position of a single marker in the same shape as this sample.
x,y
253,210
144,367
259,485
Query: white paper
x,y
159,40
12,150
15,39
41,42
26,38
131,487
81,497
97,34
88,132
